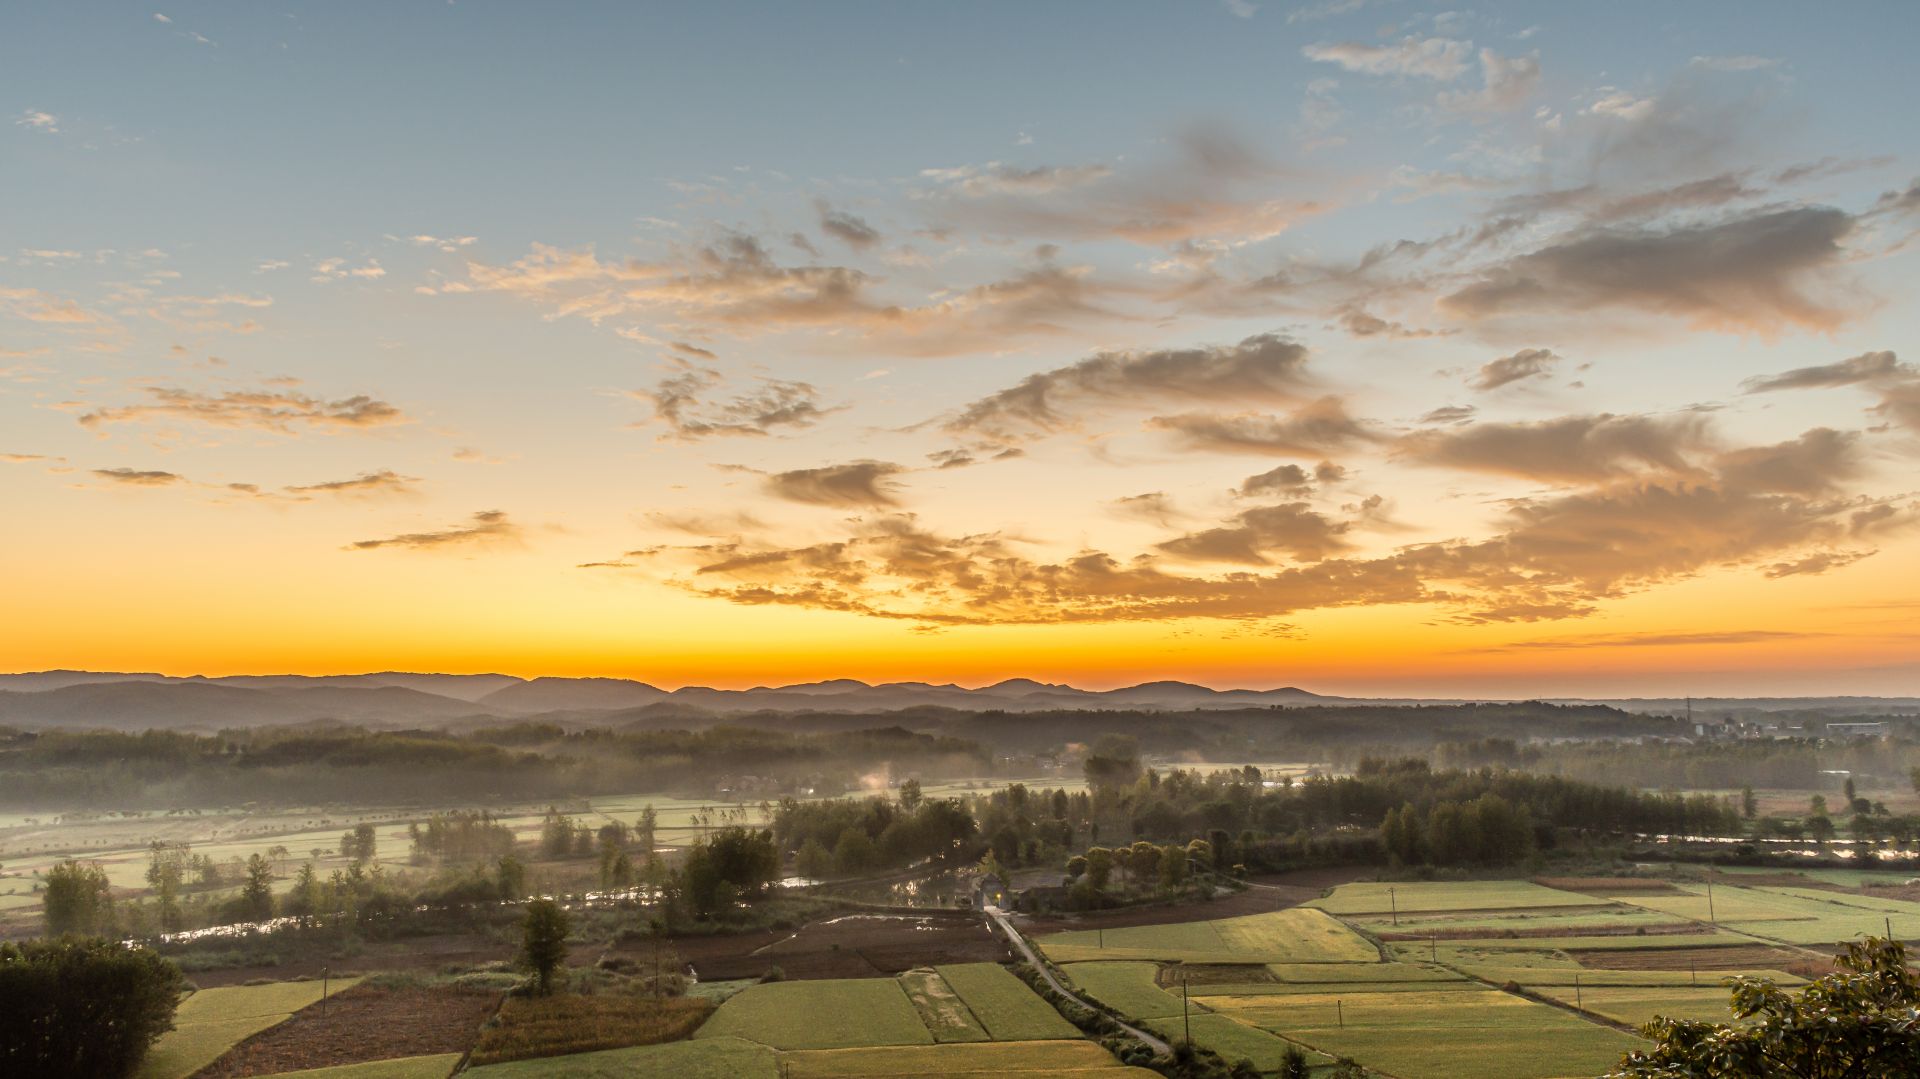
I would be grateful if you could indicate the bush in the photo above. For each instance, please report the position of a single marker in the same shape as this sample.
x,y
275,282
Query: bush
x,y
82,1008
528,1027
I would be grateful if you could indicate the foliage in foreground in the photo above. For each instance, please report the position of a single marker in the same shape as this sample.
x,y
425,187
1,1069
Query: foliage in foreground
x,y
529,1027
82,1008
1862,1021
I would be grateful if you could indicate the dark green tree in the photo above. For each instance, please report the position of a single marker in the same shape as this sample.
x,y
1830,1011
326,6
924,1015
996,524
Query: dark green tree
x,y
543,945
77,899
510,875
1294,1064
256,895
1862,1021
81,1009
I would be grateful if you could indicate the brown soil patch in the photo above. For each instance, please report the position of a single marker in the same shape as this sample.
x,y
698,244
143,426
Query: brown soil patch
x,y
1213,973
435,953
857,946
1609,885
1737,957
568,1023
361,1024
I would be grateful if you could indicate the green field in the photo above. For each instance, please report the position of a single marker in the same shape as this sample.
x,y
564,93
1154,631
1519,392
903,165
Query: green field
x,y
1793,915
1004,1004
1635,1006
1374,898
1571,920
431,1067
1127,987
1454,1035
837,1014
1233,1041
704,1058
983,1059
212,1021
1298,935
947,1016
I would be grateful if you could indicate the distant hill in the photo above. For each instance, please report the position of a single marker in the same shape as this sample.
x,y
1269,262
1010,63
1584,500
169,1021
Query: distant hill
x,y
137,705
571,695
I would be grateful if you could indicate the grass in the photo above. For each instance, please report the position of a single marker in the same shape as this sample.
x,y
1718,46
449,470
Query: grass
x,y
1049,1058
1232,1040
833,1014
1127,987
1636,1005
429,1067
1793,915
947,1016
1534,978
706,1058
212,1021
1369,897
1316,989
566,1023
1298,935
1004,1004
1319,973
1571,921
1453,1035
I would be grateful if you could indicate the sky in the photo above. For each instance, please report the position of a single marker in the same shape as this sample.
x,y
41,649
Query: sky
x,y
1512,350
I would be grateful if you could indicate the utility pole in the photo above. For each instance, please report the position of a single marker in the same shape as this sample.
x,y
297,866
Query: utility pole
x,y
1433,941
1339,1015
1186,1020
1576,993
1693,972
324,974
1394,903
1710,918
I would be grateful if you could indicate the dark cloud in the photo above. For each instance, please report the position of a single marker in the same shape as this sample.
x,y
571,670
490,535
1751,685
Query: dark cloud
x,y
778,403
863,484
1313,430
1261,369
280,411
1255,536
487,528
1526,363
847,228
1287,479
1571,449
135,477
1867,367
384,481
1816,463
1758,272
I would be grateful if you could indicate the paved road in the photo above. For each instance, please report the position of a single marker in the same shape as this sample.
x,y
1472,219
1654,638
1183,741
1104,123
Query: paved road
x,y
1020,942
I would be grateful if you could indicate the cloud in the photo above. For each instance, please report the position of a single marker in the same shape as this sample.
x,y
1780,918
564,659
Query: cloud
x,y
995,178
1750,273
1262,368
1655,640
1868,367
33,305
1568,449
487,528
1507,83
1733,63
846,228
1256,535
279,411
1439,58
1154,507
1361,324
1449,414
22,458
132,477
1313,430
385,481
1817,563
677,403
1816,463
1524,364
864,484
36,120
1288,479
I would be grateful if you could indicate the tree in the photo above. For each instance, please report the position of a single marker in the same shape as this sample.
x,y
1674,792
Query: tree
x,y
1294,1064
854,852
814,861
544,941
910,795
360,844
75,1009
1858,1022
1099,867
77,899
646,829
256,895
510,876
1749,805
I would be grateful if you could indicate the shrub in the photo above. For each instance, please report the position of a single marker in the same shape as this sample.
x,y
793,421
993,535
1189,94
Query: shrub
x,y
82,1008
528,1027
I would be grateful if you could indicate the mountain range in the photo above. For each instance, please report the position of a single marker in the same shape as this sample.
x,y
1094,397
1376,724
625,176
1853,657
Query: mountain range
x,y
132,701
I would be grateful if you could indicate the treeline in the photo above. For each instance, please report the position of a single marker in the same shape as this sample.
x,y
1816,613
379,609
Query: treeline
x,y
845,837
104,770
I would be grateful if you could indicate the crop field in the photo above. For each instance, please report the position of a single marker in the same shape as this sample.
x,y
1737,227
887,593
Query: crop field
x,y
704,1058
1792,915
212,1021
947,1016
834,1014
438,1066
1232,1040
1004,1005
1453,1035
1474,895
1567,921
1126,986
1636,1005
1298,935
980,1060
566,1023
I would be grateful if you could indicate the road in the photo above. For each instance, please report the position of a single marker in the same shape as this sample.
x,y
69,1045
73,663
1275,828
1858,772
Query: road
x,y
1159,1047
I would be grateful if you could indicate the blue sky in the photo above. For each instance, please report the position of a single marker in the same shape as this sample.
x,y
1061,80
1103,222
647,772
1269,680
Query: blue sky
x,y
872,323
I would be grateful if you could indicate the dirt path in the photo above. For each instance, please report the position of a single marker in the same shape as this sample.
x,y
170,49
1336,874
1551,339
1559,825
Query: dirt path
x,y
999,916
